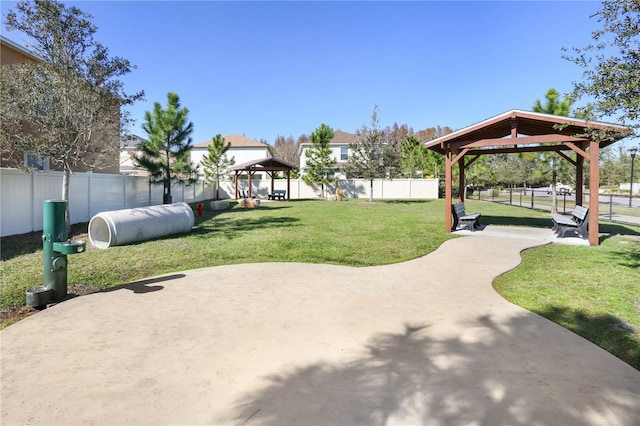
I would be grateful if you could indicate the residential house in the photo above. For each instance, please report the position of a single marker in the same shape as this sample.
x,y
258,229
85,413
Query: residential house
x,y
128,148
12,53
339,151
243,150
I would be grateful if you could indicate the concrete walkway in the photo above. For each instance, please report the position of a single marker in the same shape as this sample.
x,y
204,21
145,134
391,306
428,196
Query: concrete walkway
x,y
422,342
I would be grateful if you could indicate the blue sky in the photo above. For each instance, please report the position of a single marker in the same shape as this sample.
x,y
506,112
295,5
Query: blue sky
x,y
265,69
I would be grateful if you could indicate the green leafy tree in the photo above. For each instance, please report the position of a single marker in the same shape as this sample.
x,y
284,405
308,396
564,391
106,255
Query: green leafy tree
x,y
611,64
371,156
411,162
66,107
320,163
215,163
418,161
166,153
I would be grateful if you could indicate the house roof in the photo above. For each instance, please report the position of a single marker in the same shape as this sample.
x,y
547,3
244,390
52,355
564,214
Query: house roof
x,y
236,141
19,48
340,137
131,141
267,164
518,128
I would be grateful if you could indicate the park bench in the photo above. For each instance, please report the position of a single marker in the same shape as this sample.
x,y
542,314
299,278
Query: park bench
x,y
277,194
245,194
463,220
578,222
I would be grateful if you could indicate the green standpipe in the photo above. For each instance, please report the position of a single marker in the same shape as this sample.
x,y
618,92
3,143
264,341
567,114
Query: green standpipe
x,y
55,248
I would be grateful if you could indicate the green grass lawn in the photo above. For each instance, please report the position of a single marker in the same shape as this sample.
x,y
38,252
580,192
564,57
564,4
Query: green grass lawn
x,y
591,290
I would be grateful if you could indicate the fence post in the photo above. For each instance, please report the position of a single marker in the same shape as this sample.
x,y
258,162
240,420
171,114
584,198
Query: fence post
x,y
610,206
532,192
33,200
521,197
124,191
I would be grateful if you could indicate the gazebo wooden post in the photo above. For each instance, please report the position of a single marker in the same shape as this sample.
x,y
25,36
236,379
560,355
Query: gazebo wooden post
x,y
250,173
447,188
236,183
461,180
272,182
288,185
580,177
594,185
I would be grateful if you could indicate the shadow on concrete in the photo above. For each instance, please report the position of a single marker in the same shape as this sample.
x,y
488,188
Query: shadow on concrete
x,y
517,221
144,286
413,378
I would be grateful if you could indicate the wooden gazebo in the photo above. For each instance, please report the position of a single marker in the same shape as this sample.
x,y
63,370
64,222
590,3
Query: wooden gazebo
x,y
520,131
270,166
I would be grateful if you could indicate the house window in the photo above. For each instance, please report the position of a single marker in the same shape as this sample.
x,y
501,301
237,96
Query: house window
x,y
343,153
34,161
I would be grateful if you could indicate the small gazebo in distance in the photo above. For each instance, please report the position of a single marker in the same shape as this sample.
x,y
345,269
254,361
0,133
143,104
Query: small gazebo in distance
x,y
270,166
521,131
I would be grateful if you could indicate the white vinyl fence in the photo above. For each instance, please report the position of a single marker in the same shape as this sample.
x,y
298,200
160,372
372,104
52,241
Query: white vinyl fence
x,y
22,194
352,188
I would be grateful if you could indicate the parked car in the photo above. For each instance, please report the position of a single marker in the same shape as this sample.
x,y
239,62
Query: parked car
x,y
560,189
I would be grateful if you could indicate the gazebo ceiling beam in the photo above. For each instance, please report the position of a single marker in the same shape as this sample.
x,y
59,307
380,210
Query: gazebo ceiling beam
x,y
522,140
472,160
578,150
539,148
566,157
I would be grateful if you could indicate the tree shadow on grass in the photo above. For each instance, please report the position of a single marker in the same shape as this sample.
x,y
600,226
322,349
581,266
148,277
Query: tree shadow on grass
x,y
607,331
232,227
617,229
409,201
414,377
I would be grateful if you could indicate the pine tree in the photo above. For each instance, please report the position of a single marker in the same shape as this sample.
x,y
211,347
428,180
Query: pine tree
x,y
555,107
166,153
319,161
216,162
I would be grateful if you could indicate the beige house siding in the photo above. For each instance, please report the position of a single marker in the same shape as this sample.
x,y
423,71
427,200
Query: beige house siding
x,y
12,53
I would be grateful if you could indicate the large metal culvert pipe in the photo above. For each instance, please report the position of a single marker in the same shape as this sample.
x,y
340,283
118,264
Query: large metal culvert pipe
x,y
120,227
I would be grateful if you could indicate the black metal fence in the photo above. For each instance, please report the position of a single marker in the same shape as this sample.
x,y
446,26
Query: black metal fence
x,y
614,207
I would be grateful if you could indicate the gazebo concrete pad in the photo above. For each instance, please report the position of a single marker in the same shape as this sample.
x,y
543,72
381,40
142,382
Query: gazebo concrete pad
x,y
422,342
